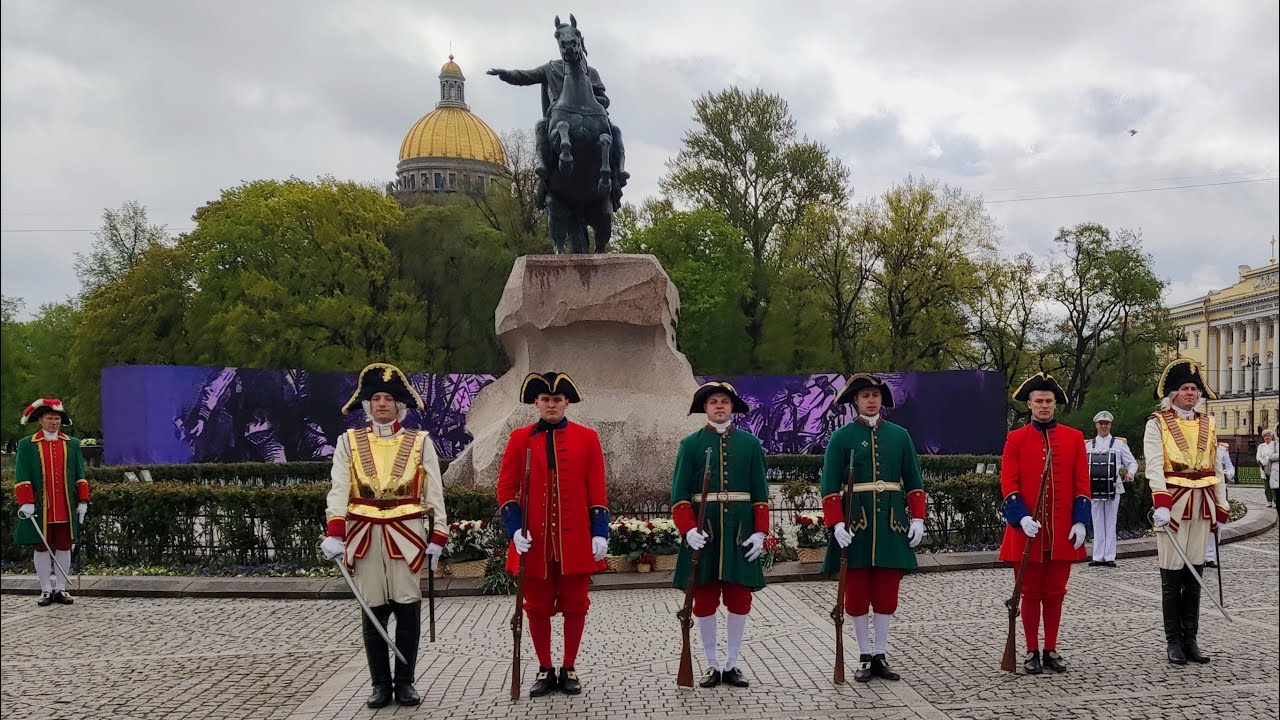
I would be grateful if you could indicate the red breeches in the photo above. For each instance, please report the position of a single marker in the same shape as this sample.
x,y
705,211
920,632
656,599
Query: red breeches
x,y
558,593
868,589
1043,586
58,534
706,598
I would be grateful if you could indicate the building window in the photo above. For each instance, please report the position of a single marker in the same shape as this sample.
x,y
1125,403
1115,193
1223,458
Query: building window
x,y
439,181
1197,338
480,183
453,181
1271,370
408,182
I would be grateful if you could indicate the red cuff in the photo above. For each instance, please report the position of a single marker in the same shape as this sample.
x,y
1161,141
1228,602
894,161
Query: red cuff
x,y
832,510
760,512
1162,499
682,516
82,490
1222,514
336,527
24,494
440,538
915,504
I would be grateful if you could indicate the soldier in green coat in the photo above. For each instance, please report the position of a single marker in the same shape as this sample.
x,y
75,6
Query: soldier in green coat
x,y
879,522
734,530
51,491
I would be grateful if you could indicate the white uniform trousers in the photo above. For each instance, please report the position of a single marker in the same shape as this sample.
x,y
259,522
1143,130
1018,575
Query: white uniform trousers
x,y
1104,529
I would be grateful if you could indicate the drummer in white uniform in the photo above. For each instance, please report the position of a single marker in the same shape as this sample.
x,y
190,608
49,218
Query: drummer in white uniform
x,y
1111,465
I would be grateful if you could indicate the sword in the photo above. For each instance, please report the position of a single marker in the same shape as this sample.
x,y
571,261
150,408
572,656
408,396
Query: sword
x,y
52,555
1191,569
367,611
431,577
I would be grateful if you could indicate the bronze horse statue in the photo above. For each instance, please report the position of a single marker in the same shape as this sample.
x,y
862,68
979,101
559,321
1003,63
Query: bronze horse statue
x,y
580,186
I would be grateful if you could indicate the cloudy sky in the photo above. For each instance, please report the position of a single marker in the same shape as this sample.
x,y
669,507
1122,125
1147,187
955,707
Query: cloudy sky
x,y
168,103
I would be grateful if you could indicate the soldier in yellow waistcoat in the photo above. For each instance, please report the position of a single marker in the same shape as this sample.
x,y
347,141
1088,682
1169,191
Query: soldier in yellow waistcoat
x,y
385,487
1180,446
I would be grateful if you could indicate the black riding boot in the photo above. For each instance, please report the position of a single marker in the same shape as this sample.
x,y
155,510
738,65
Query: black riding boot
x,y
1171,603
377,653
1191,617
408,632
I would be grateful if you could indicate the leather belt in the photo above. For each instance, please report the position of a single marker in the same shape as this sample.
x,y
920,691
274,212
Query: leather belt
x,y
878,486
724,497
386,504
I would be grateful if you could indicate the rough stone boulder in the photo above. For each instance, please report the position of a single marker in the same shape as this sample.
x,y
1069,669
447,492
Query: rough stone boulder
x,y
609,322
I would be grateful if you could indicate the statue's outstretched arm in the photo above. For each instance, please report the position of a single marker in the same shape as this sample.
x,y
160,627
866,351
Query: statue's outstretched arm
x,y
536,76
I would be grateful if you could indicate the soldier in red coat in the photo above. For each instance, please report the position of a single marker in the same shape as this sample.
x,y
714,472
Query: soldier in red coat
x,y
1056,531
564,533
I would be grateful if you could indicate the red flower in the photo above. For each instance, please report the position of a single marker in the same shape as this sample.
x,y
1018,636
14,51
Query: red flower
x,y
622,529
649,524
806,521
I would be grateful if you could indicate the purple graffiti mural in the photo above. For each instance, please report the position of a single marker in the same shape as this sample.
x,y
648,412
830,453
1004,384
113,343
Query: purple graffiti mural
x,y
179,414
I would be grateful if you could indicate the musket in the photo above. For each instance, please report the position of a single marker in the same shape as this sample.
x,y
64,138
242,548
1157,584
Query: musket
x,y
837,612
368,612
684,676
517,619
52,555
1009,661
1173,539
431,576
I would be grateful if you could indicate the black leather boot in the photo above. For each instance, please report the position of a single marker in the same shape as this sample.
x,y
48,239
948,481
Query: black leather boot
x,y
1031,665
408,632
378,655
1053,661
1171,604
1191,618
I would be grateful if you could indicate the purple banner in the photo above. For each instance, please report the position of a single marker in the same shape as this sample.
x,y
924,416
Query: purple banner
x,y
179,414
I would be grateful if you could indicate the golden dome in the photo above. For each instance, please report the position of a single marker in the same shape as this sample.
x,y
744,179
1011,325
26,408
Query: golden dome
x,y
452,132
450,67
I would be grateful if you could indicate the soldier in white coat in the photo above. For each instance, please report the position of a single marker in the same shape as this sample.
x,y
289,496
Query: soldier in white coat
x,y
1105,510
1228,472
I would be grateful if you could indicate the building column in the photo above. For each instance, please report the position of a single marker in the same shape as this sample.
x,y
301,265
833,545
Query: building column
x,y
1231,356
1220,377
1239,330
1275,356
1250,334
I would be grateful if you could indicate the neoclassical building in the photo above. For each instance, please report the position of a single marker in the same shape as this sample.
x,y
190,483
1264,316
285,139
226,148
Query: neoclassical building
x,y
1234,332
450,148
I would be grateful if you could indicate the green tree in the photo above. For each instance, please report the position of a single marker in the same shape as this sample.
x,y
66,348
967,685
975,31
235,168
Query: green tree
x,y
745,160
835,249
929,243
1110,299
138,318
452,264
1005,322
295,274
15,368
510,205
711,268
125,235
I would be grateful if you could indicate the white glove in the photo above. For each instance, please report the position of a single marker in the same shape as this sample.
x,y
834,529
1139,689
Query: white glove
x,y
843,535
434,552
523,540
599,547
1162,517
1030,526
754,546
27,510
694,539
1076,536
81,509
915,533
332,547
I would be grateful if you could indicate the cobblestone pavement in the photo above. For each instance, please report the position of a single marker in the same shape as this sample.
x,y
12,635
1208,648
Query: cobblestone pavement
x,y
228,658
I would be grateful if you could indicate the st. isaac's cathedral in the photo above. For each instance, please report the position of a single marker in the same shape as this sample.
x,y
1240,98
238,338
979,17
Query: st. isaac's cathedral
x,y
450,149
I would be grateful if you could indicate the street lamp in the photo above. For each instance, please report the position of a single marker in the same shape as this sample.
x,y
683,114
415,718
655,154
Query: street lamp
x,y
1252,366
1178,339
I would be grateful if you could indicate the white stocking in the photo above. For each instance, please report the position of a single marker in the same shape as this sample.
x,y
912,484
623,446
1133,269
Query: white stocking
x,y
64,559
44,568
707,626
862,629
735,626
882,632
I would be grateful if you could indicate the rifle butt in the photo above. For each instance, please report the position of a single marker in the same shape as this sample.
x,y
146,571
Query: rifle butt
x,y
837,673
684,677
1009,661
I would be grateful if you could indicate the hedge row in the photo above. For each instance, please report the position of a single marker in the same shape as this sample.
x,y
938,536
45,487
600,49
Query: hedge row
x,y
182,524
781,468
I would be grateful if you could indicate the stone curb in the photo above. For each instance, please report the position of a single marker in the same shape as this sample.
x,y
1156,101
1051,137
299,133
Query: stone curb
x,y
1256,521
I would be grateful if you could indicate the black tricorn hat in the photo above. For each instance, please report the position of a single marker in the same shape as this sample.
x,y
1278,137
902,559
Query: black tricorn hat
x,y
552,383
1040,381
1180,372
865,380
387,378
707,389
